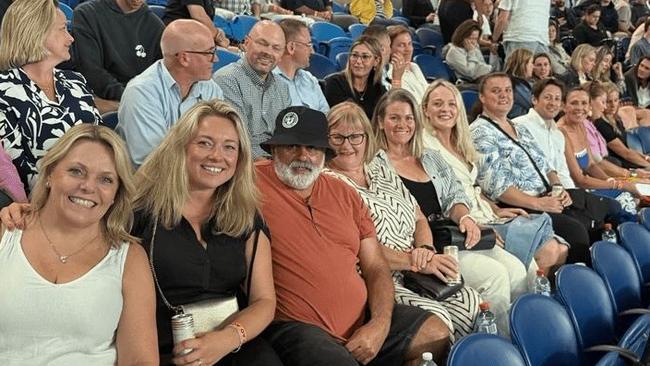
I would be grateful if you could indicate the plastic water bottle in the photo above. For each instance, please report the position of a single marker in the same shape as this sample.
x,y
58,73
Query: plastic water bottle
x,y
427,359
485,321
609,234
542,285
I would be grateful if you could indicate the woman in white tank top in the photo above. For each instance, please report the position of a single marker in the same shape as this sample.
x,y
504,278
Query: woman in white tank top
x,y
74,290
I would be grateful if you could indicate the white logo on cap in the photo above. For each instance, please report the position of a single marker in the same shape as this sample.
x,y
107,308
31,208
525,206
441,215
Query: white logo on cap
x,y
289,120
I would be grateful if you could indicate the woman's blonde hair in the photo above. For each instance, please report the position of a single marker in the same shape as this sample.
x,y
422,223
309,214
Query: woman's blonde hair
x,y
350,114
25,27
517,62
416,144
375,48
597,73
117,221
460,135
580,53
163,182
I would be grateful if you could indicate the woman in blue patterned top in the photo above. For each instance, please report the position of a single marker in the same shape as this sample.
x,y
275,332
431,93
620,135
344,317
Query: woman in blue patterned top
x,y
38,102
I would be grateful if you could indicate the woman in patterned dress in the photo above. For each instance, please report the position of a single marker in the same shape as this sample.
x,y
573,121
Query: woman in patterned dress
x,y
401,227
38,102
498,275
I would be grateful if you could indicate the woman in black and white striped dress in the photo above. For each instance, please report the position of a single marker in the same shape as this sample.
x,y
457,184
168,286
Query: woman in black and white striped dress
x,y
401,226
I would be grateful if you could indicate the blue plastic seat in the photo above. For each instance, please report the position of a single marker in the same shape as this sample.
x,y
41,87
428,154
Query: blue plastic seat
x,y
241,25
484,349
430,38
621,48
338,8
159,10
336,46
323,32
321,66
67,11
223,24
635,238
356,30
342,60
594,320
469,99
542,331
433,67
110,120
225,57
157,2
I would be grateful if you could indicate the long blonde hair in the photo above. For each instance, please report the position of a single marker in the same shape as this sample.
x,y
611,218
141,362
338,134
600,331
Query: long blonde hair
x,y
580,53
25,27
416,144
460,135
117,221
163,183
350,114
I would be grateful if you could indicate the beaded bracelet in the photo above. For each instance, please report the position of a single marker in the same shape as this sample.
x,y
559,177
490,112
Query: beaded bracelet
x,y
241,334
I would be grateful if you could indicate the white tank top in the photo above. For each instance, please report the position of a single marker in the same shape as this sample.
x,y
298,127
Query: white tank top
x,y
74,323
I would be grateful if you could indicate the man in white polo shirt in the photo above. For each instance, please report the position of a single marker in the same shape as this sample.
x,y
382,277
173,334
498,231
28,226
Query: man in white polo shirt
x,y
524,24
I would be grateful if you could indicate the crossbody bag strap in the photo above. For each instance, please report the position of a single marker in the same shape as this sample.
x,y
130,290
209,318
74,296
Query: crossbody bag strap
x,y
496,125
250,269
175,309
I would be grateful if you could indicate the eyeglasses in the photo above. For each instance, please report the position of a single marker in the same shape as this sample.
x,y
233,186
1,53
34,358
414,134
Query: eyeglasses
x,y
306,44
365,57
212,53
353,139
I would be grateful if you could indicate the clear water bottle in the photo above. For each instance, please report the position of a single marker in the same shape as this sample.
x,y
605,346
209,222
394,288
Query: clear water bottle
x,y
609,234
542,285
485,321
427,359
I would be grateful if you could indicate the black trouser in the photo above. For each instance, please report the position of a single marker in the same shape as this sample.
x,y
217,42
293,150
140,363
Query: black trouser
x,y
574,232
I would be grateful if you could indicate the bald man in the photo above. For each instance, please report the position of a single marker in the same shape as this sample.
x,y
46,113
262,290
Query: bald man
x,y
154,100
250,86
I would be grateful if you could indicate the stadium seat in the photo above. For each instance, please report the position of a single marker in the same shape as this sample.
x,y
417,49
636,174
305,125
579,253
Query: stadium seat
x,y
569,44
157,2
484,349
323,32
356,30
469,99
225,57
433,67
594,320
110,119
621,48
342,60
67,10
321,66
337,45
635,238
159,10
241,25
431,39
338,8
542,331
616,267
223,24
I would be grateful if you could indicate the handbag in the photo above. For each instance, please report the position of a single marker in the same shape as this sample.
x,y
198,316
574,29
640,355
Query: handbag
x,y
207,315
446,232
430,286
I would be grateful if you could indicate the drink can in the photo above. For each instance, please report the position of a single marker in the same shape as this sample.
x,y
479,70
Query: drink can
x,y
452,251
557,190
182,329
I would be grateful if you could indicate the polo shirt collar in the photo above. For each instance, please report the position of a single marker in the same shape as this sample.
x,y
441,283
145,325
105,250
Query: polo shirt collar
x,y
254,76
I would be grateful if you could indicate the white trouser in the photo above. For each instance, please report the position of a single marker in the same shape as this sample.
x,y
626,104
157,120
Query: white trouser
x,y
499,277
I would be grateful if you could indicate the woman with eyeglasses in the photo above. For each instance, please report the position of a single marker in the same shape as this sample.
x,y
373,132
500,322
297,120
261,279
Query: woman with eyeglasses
x,y
360,82
402,228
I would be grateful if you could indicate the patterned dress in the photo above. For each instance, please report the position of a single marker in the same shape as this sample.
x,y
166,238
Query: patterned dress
x,y
30,123
393,211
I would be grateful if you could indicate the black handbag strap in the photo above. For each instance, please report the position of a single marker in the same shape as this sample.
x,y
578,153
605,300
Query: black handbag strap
x,y
542,176
175,309
249,280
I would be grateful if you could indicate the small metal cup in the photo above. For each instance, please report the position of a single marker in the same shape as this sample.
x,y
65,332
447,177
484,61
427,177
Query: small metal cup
x,y
557,190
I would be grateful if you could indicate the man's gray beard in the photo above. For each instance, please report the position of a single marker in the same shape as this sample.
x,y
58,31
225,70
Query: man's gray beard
x,y
297,181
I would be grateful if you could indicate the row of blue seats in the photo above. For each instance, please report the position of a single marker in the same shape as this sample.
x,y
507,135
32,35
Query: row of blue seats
x,y
595,317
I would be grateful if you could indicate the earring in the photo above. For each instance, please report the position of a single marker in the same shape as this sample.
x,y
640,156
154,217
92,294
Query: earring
x,y
47,184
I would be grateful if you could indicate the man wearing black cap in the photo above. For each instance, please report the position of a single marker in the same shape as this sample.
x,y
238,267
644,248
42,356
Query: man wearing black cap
x,y
327,313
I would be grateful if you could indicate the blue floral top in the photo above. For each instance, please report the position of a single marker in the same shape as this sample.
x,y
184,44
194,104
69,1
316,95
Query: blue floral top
x,y
503,164
30,123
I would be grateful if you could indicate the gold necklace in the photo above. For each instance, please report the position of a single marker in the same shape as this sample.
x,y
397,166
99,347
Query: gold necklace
x,y
64,258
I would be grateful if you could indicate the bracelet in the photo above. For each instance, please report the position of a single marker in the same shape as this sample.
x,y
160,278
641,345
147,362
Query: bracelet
x,y
428,246
466,216
241,334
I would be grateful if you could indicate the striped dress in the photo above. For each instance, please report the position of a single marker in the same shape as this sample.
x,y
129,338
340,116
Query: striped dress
x,y
393,211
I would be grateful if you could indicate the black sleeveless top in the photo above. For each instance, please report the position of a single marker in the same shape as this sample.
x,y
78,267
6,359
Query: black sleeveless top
x,y
426,195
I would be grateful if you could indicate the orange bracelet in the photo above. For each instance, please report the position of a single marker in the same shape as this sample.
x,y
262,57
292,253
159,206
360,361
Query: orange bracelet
x,y
241,333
